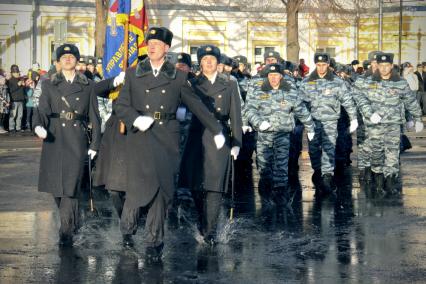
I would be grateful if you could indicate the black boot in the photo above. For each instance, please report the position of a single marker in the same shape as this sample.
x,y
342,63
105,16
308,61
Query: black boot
x,y
265,188
317,181
128,241
378,184
367,175
361,176
280,195
65,240
391,185
329,186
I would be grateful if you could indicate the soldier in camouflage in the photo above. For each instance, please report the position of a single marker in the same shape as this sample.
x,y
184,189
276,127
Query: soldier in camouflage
x,y
271,110
363,144
382,99
324,93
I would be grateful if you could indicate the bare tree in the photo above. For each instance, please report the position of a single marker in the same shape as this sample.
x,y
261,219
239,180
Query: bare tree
x,y
101,18
292,8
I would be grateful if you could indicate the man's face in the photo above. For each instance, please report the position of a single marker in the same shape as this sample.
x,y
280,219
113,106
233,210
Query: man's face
x,y
91,68
2,81
241,66
322,68
271,60
157,49
209,64
68,62
183,67
385,69
227,68
373,66
419,69
274,79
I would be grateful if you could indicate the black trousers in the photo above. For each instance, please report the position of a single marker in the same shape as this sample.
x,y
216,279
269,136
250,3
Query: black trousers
x,y
154,225
118,198
208,204
69,215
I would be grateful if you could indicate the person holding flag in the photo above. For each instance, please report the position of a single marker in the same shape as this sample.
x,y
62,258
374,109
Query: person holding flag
x,y
147,105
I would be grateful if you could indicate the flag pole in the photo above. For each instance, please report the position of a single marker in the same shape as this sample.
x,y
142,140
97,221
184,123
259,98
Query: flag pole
x,y
125,59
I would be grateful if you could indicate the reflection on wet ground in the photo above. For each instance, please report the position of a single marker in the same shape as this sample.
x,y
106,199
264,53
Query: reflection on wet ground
x,y
347,239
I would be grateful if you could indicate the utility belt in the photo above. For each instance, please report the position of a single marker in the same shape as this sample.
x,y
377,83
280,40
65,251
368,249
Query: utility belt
x,y
159,115
69,116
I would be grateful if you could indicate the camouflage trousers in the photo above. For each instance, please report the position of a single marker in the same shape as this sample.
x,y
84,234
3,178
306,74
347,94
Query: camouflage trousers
x,y
272,157
322,149
385,139
363,145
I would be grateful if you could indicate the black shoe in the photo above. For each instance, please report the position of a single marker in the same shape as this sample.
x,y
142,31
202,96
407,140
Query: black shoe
x,y
154,253
392,185
378,183
128,241
328,183
317,179
65,240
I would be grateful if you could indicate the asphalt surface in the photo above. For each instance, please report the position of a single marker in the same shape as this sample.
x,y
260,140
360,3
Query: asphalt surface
x,y
349,239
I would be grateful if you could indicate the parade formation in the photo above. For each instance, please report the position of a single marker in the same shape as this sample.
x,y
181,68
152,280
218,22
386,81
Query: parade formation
x,y
174,130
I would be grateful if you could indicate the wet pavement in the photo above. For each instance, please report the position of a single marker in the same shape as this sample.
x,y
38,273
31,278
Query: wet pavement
x,y
349,239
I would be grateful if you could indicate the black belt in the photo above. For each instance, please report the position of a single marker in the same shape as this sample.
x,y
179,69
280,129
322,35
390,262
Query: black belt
x,y
159,115
69,116
222,118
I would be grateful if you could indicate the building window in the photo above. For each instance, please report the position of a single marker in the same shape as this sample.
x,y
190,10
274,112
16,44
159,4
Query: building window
x,y
259,51
329,50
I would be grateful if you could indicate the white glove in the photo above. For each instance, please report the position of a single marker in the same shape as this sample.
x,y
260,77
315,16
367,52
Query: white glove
x,y
219,140
235,151
264,125
40,131
375,118
247,129
181,113
419,126
353,126
91,154
143,122
311,135
410,124
119,79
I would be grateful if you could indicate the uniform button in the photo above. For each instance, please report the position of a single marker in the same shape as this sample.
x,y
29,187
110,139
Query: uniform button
x,y
76,111
63,111
146,91
75,125
161,122
63,124
218,109
147,106
77,99
161,107
163,91
220,96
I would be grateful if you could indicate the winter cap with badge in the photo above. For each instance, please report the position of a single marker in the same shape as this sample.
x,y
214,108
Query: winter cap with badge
x,y
385,58
184,58
372,56
225,60
208,50
91,61
241,59
161,33
272,68
272,54
321,57
67,49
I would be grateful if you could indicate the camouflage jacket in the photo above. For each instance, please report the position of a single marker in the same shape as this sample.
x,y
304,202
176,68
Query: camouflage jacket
x,y
278,107
388,98
324,96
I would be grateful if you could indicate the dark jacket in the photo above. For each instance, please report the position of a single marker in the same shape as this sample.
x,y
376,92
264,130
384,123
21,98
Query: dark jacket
x,y
202,164
153,155
17,93
64,151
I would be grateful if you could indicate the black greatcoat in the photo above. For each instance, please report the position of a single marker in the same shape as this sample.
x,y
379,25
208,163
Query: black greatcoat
x,y
153,156
201,162
65,149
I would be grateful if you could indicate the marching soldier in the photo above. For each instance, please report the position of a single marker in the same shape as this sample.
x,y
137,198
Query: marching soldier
x,y
325,93
67,104
382,99
147,105
272,110
363,144
220,95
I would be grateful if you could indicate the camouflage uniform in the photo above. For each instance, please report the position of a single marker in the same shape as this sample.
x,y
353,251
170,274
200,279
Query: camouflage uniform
x,y
278,107
389,99
324,97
